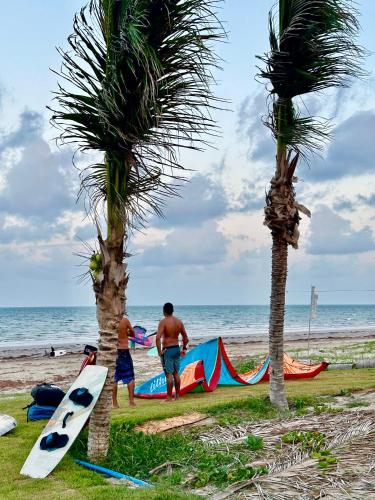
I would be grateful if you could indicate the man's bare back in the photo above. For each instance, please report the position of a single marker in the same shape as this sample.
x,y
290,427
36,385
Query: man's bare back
x,y
169,330
123,333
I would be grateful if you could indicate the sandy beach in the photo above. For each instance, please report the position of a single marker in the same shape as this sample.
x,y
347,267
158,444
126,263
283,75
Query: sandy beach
x,y
22,368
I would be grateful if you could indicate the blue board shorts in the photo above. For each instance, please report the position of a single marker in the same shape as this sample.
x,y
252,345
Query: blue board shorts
x,y
171,359
124,367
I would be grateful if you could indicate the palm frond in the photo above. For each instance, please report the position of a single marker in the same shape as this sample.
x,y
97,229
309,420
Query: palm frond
x,y
313,48
138,78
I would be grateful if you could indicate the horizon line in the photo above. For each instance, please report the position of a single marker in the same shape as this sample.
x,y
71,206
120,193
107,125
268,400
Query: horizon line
x,y
185,305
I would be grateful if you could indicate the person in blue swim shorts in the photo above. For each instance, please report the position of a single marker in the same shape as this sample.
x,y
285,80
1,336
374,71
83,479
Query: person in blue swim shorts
x,y
167,343
124,365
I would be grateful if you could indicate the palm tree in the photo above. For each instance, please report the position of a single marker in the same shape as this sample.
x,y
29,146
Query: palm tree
x,y
312,49
137,76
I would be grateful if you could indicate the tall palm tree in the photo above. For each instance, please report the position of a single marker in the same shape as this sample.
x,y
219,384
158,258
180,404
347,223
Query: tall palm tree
x,y
312,49
137,86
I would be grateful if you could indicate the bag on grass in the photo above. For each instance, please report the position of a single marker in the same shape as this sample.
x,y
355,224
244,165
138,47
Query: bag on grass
x,y
47,395
38,412
46,398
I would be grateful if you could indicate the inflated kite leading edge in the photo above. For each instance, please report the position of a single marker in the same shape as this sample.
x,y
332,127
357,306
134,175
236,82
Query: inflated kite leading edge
x,y
208,366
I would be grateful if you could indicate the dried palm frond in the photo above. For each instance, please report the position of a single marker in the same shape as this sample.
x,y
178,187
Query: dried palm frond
x,y
351,478
292,473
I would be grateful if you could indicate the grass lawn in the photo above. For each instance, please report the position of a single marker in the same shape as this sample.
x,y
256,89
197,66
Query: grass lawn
x,y
135,453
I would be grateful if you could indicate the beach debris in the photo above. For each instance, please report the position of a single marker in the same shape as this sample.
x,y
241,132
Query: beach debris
x,y
157,426
166,465
344,442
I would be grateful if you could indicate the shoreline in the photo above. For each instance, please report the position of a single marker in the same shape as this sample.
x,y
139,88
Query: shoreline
x,y
38,350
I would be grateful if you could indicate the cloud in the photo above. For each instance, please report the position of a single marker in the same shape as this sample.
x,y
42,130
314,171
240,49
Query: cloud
x,y
251,129
367,200
29,129
42,276
39,217
250,113
219,167
351,205
40,183
351,151
252,196
331,234
202,198
343,204
200,246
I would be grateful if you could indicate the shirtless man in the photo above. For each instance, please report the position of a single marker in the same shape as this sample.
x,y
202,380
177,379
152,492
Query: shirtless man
x,y
169,330
124,365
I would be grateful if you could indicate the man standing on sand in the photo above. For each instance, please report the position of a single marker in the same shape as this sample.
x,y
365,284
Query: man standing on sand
x,y
124,365
169,330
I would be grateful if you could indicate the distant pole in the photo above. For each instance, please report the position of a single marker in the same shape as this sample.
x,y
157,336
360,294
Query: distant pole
x,y
312,315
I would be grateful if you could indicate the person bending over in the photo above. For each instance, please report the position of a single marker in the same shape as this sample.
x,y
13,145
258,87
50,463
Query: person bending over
x,y
169,330
124,365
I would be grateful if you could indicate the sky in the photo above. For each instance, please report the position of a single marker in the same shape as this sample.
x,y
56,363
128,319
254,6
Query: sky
x,y
212,247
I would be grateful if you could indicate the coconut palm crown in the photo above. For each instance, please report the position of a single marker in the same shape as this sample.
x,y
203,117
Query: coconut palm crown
x,y
140,71
312,49
134,86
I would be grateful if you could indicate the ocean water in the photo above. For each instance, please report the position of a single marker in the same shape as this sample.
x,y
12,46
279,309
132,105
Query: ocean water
x,y
58,326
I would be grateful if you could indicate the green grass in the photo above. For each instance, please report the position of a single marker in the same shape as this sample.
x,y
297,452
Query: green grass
x,y
136,454
327,383
246,365
357,404
255,443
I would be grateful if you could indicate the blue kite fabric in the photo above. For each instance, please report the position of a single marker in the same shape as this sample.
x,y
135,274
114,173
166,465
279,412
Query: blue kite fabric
x,y
208,366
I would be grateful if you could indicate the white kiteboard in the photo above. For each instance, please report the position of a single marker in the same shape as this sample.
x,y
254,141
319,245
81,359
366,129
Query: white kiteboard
x,y
60,352
67,421
54,353
7,423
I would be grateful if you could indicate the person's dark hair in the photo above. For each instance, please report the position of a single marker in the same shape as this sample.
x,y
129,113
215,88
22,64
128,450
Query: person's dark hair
x,y
168,308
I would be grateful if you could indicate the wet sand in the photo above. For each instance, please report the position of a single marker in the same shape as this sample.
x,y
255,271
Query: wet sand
x,y
22,368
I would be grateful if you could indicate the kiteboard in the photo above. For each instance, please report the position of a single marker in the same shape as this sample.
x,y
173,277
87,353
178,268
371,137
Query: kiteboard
x,y
55,353
59,352
7,423
66,423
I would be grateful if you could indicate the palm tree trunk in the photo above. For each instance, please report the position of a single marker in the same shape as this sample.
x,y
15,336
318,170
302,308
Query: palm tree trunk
x,y
110,307
276,324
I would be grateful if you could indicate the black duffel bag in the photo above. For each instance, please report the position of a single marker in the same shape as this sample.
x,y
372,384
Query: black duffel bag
x,y
47,395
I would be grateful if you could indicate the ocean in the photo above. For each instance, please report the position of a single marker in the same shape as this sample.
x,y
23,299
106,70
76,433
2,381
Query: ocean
x,y
59,326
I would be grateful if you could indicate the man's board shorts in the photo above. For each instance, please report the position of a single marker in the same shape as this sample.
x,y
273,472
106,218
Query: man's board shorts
x,y
171,359
124,367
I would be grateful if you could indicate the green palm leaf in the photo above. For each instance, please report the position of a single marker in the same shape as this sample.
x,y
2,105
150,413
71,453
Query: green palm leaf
x,y
312,49
140,71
